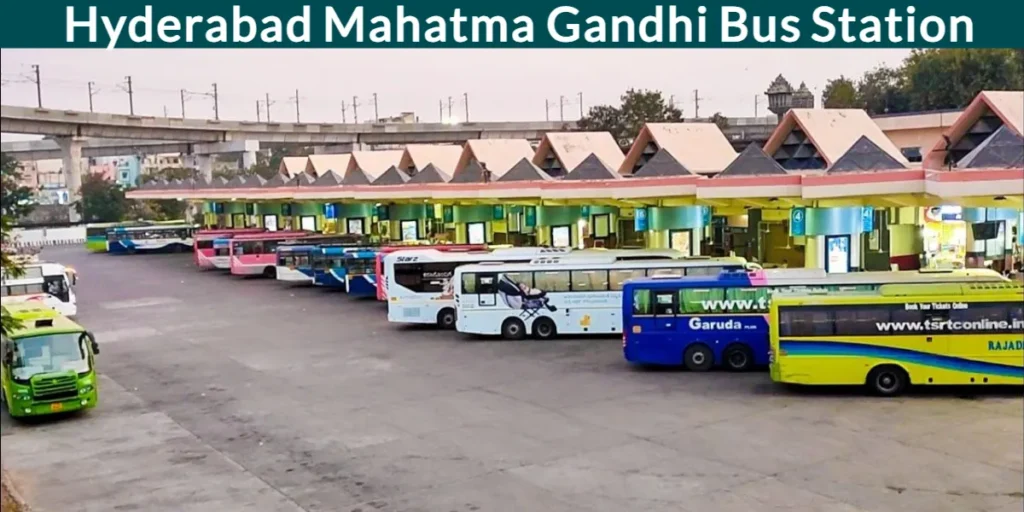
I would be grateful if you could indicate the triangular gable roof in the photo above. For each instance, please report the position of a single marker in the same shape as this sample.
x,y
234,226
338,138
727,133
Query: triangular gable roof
x,y
498,154
700,147
375,163
572,148
155,184
662,164
525,170
753,161
317,165
201,182
355,176
1008,108
292,165
443,157
430,174
301,180
832,132
218,182
1004,149
472,173
238,182
864,155
392,176
279,180
328,179
592,168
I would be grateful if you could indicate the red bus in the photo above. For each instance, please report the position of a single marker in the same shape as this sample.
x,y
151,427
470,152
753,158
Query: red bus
x,y
382,293
256,254
205,255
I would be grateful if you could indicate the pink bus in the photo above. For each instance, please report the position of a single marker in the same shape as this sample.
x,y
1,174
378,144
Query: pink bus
x,y
256,254
382,292
205,251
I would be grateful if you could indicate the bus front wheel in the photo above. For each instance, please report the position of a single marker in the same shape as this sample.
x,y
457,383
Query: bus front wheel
x,y
446,319
270,273
698,358
513,329
544,328
888,380
738,358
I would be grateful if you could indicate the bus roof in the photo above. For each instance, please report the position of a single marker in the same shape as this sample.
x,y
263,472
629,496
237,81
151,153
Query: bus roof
x,y
340,249
815,277
45,269
272,235
327,239
147,227
895,293
37,319
440,247
360,253
587,262
209,233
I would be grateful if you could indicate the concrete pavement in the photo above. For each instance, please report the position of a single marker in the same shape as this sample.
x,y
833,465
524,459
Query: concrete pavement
x,y
223,394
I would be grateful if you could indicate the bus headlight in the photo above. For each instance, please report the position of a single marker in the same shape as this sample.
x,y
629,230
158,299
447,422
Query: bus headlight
x,y
85,390
23,396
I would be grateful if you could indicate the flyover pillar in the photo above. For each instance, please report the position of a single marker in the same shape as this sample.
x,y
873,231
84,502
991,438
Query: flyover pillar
x,y
204,163
72,167
248,159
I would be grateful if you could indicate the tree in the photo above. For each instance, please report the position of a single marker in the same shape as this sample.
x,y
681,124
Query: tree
x,y
951,78
883,91
721,121
14,203
840,93
102,200
636,109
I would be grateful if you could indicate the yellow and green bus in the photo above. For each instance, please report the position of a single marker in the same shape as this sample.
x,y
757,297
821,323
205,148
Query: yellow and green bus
x,y
902,335
96,234
48,363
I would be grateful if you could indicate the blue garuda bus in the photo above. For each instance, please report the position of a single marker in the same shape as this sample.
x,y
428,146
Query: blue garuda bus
x,y
347,268
297,260
722,321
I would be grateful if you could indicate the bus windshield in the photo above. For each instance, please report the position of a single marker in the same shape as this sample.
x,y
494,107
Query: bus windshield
x,y
49,353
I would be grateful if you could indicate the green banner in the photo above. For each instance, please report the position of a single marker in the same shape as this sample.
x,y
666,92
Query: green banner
x,y
499,212
531,217
448,214
523,24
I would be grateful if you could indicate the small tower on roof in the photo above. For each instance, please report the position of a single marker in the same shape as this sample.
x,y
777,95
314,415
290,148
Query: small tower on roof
x,y
780,96
803,97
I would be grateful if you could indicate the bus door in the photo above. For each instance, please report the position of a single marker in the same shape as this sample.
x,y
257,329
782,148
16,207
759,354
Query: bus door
x,y
665,305
487,289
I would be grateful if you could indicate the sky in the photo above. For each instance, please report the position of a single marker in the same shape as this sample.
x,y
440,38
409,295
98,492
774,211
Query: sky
x,y
502,85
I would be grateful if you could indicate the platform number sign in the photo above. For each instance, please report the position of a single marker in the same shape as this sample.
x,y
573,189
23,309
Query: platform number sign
x,y
797,222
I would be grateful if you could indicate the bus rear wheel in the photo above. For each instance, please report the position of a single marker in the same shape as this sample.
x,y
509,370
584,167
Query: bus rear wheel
x,y
513,329
446,319
698,358
888,380
738,358
270,273
544,328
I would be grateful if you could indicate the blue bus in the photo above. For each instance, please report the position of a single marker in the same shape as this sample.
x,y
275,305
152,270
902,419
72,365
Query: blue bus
x,y
347,268
297,260
722,321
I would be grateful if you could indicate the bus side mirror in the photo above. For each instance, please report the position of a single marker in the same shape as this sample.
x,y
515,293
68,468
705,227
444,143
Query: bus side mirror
x,y
8,357
92,343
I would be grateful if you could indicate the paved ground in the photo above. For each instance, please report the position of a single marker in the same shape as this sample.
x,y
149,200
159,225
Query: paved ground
x,y
225,394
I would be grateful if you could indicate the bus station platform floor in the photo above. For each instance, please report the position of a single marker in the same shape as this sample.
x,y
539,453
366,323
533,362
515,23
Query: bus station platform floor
x,y
220,393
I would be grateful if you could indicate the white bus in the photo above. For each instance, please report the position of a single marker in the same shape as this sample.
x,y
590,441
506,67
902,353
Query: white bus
x,y
562,297
162,238
418,282
49,283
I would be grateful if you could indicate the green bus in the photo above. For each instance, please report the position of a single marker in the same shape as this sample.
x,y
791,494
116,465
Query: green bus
x,y
48,363
96,234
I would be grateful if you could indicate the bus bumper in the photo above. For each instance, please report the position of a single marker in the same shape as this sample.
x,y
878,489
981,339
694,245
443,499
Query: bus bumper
x,y
20,409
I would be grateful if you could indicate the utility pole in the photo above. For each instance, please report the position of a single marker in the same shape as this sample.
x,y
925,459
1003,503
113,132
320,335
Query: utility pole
x,y
267,105
183,104
757,98
449,108
376,113
39,86
355,109
216,104
580,94
696,103
561,108
465,101
257,111
90,96
131,96
298,116
343,117
440,111
547,110
165,110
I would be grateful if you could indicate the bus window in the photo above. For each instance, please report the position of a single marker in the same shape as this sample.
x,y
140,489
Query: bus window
x,y
424,277
806,321
552,281
989,318
747,300
57,287
617,277
642,302
665,303
589,280
860,321
701,300
521,278
487,284
468,283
